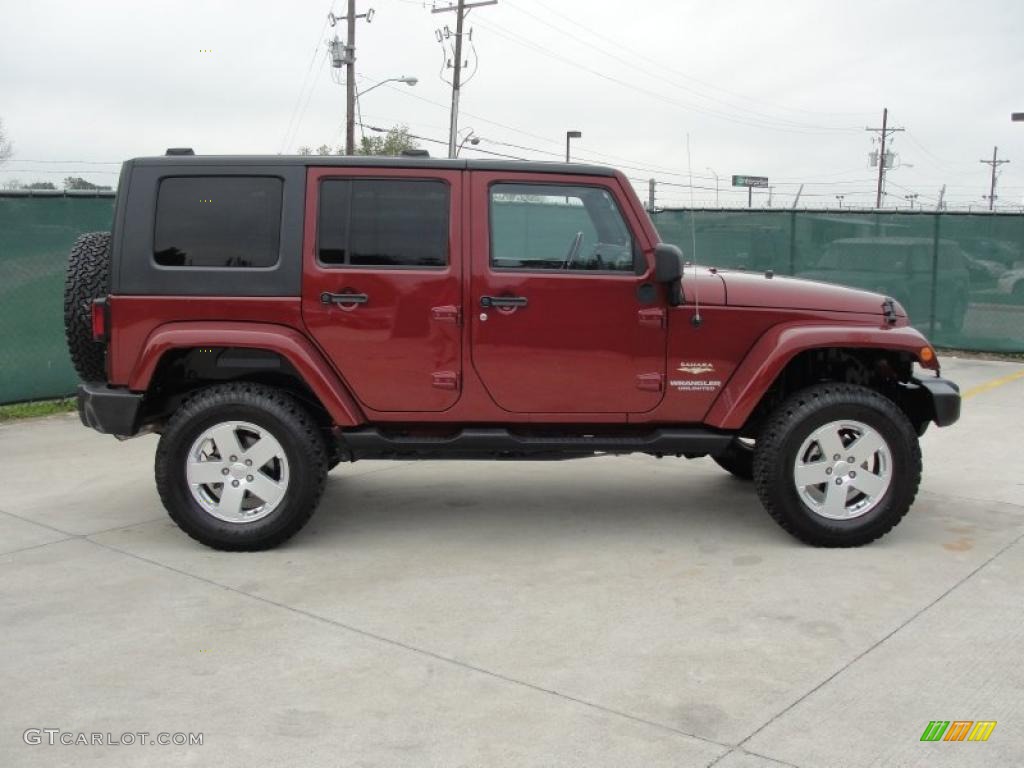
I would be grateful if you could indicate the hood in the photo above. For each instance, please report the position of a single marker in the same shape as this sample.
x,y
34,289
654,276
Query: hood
x,y
756,289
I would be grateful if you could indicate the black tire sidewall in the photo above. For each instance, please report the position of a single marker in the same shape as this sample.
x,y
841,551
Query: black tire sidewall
x,y
87,278
306,467
784,501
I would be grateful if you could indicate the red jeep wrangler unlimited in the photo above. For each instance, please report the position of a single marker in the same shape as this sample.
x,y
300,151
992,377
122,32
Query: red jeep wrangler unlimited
x,y
271,317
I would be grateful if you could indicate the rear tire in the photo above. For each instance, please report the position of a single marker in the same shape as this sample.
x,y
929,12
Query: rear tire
x,y
813,436
738,459
87,278
241,466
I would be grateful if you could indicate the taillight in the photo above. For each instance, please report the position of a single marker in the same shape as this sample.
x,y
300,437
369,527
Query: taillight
x,y
100,316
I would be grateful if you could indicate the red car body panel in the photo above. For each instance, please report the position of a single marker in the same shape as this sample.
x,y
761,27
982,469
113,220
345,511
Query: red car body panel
x,y
421,351
288,342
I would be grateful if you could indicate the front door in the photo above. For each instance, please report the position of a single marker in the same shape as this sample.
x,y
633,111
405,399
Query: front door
x,y
560,323
381,283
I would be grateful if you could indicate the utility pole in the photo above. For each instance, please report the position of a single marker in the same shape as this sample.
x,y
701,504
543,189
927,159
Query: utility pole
x,y
884,131
796,199
651,183
840,198
771,189
348,58
461,11
942,199
995,163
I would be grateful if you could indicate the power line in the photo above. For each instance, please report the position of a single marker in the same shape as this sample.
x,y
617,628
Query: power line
x,y
617,42
302,87
606,50
647,91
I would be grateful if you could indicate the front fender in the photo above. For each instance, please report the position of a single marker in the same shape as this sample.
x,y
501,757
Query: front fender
x,y
287,342
781,343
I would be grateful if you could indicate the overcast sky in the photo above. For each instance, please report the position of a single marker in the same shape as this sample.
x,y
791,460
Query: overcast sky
x,y
781,89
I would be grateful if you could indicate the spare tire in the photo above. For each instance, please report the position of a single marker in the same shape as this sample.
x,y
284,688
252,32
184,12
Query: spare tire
x,y
88,278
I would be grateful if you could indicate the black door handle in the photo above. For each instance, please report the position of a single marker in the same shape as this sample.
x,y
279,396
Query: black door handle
x,y
343,298
502,301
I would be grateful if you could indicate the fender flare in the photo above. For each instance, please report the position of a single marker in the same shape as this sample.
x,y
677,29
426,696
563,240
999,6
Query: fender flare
x,y
307,360
781,343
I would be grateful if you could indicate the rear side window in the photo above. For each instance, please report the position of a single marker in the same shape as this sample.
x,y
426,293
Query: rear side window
x,y
383,223
218,221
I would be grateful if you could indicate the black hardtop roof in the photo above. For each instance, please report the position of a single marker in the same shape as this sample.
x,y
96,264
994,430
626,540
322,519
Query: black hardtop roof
x,y
361,161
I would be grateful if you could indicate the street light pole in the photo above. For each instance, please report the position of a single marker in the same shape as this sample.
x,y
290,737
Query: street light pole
x,y
569,135
709,168
410,81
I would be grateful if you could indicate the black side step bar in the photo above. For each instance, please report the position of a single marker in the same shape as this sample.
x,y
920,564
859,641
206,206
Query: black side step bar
x,y
490,443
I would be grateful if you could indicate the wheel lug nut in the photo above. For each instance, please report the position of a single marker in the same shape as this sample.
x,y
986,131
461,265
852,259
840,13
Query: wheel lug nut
x,y
834,458
225,471
248,478
839,481
234,458
828,471
849,459
853,474
248,462
234,483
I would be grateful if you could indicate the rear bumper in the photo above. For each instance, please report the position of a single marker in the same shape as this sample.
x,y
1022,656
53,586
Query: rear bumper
x,y
945,396
110,410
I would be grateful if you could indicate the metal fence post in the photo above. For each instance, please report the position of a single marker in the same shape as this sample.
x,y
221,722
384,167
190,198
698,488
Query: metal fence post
x,y
935,274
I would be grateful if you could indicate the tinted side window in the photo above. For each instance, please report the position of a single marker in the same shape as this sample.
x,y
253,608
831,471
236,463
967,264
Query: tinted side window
x,y
218,221
383,222
556,227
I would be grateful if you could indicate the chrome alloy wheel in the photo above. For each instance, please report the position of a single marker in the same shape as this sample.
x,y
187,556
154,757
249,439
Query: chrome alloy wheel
x,y
237,472
843,470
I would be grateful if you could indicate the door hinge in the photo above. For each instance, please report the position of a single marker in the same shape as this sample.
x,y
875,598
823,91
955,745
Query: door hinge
x,y
447,314
650,382
652,316
445,380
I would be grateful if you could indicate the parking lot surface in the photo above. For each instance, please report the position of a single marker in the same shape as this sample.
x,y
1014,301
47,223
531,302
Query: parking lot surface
x,y
612,611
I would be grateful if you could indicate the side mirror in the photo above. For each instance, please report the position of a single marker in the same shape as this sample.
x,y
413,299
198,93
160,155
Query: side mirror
x,y
668,263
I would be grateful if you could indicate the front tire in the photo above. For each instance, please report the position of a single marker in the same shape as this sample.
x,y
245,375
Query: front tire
x,y
241,466
838,465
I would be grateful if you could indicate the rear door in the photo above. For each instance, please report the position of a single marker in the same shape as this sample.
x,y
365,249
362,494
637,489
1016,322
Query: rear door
x,y
381,282
564,318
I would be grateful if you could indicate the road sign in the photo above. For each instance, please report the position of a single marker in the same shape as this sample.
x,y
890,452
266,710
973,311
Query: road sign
x,y
750,181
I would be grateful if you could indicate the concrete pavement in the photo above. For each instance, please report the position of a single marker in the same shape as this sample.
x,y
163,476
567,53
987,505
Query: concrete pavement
x,y
613,611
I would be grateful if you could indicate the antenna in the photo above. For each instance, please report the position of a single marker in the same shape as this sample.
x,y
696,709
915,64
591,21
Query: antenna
x,y
696,319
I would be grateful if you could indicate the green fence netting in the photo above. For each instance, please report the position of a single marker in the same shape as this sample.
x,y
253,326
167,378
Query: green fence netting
x,y
36,234
959,275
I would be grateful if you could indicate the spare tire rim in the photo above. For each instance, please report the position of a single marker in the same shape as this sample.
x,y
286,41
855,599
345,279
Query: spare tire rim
x,y
843,470
237,472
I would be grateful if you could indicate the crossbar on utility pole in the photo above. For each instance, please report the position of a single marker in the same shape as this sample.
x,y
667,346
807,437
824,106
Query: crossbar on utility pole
x,y
884,131
461,10
995,163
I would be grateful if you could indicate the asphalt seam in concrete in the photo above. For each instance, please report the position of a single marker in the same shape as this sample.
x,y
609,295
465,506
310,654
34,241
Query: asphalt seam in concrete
x,y
417,650
741,750
69,534
878,643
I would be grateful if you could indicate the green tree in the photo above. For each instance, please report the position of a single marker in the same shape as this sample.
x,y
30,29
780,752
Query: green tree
x,y
77,182
40,185
394,142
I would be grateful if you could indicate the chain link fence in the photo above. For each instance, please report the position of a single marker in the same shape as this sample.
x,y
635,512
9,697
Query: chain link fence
x,y
36,233
960,275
